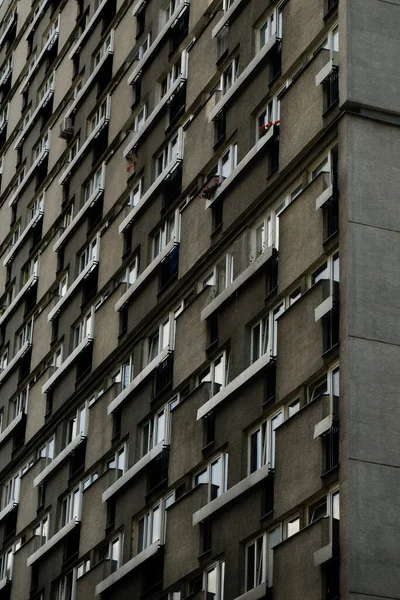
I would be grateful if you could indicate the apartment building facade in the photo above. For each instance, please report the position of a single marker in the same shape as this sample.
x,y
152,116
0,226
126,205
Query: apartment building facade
x,y
178,181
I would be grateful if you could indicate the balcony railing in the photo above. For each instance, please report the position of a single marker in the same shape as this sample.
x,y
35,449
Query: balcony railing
x,y
59,459
57,537
13,362
76,48
31,281
332,88
32,223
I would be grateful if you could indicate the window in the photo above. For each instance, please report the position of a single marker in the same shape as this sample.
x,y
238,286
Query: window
x,y
135,194
25,335
36,208
171,8
140,118
229,75
63,285
217,373
82,568
77,425
259,559
152,526
84,329
292,526
55,360
326,167
266,231
114,552
179,69
65,587
331,43
90,253
42,146
29,270
164,335
272,25
18,404
329,272
262,443
226,4
101,114
46,87
264,334
215,474
7,559
41,531
328,386
214,581
89,480
326,506
46,452
157,428
4,359
221,276
117,463
71,506
168,231
132,272
144,46
170,153
125,373
293,408
105,47
10,490
95,185
269,116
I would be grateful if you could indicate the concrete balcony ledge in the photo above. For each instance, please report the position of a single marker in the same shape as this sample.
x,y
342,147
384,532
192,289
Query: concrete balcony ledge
x,y
228,14
31,281
326,71
7,28
58,460
86,86
152,189
68,230
242,77
242,165
324,197
236,284
127,568
35,19
4,582
153,47
15,360
7,509
90,267
323,308
78,156
137,380
57,537
257,593
29,174
234,385
143,276
66,364
10,255
133,471
25,83
10,428
322,555
76,48
323,426
33,118
150,119
231,494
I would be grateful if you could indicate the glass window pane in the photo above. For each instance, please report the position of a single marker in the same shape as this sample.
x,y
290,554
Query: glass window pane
x,y
156,524
293,527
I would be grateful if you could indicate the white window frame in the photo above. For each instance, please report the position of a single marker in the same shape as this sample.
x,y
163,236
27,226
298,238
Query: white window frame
x,y
267,558
47,450
206,475
71,506
41,530
135,193
150,430
154,530
83,329
166,156
116,458
229,75
272,25
125,373
217,592
169,230
209,374
19,404
78,424
286,526
265,433
91,252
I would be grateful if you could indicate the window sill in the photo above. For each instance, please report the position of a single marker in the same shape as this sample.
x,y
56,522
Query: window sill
x,y
331,353
332,237
330,472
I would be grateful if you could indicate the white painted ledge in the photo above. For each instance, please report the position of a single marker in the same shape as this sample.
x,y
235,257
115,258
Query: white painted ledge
x,y
256,593
29,174
24,85
96,131
143,276
9,256
10,428
236,284
225,19
14,360
150,119
152,189
233,492
67,231
127,568
324,197
234,385
7,509
52,542
67,362
10,23
324,72
56,462
323,426
153,47
138,380
133,471
31,281
322,555
3,582
323,309
242,77
88,29
31,27
33,117
90,79
91,266
242,165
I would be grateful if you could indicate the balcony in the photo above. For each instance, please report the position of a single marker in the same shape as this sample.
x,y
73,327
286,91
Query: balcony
x,y
67,363
46,98
14,361
90,267
173,185
331,84
260,592
5,73
8,508
179,29
12,21
330,291
59,459
32,223
39,159
231,494
34,66
127,568
31,282
138,380
57,538
35,17
163,376
11,426
242,77
92,22
143,276
133,471
234,385
137,135
153,47
227,15
169,267
266,140
236,284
